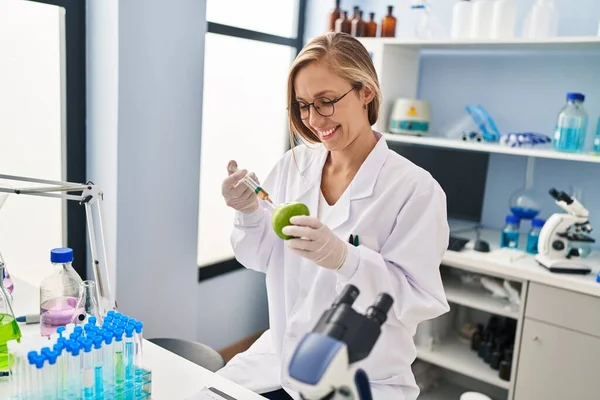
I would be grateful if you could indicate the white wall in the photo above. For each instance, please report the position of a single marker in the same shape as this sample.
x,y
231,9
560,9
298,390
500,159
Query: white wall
x,y
145,107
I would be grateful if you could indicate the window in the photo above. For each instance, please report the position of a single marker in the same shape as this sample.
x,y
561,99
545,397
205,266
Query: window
x,y
247,57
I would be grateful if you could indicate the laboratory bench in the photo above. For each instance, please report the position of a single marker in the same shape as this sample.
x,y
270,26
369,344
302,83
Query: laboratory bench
x,y
173,377
557,339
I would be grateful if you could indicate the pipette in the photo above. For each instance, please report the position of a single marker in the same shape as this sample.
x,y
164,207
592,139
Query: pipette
x,y
252,184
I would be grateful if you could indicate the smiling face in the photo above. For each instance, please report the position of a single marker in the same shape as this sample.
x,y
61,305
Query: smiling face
x,y
316,83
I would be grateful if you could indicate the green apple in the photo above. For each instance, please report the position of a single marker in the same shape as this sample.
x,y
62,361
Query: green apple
x,y
283,213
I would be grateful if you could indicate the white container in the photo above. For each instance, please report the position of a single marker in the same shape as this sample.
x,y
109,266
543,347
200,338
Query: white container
x,y
504,19
461,20
481,19
542,20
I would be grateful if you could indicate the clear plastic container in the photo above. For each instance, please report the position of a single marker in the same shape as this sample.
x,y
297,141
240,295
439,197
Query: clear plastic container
x,y
597,137
510,233
534,235
461,19
59,292
504,19
571,127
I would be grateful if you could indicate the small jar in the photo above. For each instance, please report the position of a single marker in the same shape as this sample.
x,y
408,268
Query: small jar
x,y
510,233
534,235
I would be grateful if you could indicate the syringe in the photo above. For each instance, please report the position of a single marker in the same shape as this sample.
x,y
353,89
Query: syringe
x,y
252,184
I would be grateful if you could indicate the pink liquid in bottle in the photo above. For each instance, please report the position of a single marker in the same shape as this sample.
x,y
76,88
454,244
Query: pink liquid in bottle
x,y
57,312
8,283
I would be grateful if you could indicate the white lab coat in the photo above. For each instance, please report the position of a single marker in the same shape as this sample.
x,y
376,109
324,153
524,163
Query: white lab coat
x,y
399,213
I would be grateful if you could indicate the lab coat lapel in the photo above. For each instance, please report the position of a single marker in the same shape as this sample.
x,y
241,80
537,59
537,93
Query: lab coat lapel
x,y
362,185
311,171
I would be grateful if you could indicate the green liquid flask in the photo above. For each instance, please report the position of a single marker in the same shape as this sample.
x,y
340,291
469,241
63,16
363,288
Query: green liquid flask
x,y
9,329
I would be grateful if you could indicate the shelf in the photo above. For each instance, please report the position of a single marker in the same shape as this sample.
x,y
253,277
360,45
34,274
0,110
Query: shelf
x,y
569,43
456,144
458,357
478,298
445,391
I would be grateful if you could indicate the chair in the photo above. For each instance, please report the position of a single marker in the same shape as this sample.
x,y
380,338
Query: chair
x,y
197,353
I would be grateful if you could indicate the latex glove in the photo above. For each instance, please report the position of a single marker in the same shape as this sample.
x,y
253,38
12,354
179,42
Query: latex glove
x,y
236,193
316,242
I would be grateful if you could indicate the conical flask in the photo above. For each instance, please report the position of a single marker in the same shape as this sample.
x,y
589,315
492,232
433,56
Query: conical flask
x,y
9,329
87,304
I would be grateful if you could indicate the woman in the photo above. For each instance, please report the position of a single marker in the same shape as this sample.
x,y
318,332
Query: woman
x,y
353,185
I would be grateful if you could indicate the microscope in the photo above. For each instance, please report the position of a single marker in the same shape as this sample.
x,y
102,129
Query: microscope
x,y
554,252
322,365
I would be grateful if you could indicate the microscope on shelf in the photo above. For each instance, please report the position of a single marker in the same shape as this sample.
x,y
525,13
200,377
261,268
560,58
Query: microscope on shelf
x,y
323,364
554,250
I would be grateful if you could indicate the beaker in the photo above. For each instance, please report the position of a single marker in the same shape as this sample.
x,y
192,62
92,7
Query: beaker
x,y
87,304
9,329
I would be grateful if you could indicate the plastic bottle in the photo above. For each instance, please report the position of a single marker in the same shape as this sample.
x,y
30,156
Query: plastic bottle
x,y
504,19
571,127
542,20
461,19
59,292
534,235
388,24
510,232
597,137
481,19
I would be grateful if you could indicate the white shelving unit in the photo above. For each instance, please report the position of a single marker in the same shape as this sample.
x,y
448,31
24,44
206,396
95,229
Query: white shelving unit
x,y
478,299
456,144
458,357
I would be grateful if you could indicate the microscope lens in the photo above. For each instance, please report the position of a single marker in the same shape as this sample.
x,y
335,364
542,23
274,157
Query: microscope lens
x,y
348,295
380,308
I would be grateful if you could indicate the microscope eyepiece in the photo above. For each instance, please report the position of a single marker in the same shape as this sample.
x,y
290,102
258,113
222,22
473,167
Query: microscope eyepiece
x,y
561,196
382,305
348,296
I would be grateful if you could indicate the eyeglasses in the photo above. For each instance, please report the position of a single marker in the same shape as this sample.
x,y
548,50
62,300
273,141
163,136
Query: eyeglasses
x,y
322,105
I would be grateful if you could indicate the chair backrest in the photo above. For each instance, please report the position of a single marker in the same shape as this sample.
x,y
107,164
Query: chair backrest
x,y
195,352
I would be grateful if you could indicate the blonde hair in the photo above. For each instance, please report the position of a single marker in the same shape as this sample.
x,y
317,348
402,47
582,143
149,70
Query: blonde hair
x,y
347,58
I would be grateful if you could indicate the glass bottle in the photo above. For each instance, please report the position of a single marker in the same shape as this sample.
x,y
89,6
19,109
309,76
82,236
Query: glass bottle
x,y
388,24
371,27
9,329
510,233
59,292
358,25
534,235
523,203
334,16
343,24
571,127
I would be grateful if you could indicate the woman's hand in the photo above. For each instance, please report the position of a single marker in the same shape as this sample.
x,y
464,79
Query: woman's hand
x,y
235,192
316,242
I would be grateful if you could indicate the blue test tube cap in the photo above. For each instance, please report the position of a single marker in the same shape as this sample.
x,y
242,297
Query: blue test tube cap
x,y
75,348
52,357
46,350
118,334
108,337
39,361
31,355
58,348
129,331
121,325
117,315
97,340
61,255
93,320
87,345
78,329
110,313
139,325
60,330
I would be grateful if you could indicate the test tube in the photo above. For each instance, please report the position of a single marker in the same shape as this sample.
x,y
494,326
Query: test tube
x,y
61,389
108,356
31,371
98,362
118,357
74,374
11,347
51,375
129,354
88,370
37,385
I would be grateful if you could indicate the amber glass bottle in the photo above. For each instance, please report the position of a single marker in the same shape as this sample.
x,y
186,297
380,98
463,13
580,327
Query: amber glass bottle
x,y
334,15
358,26
388,24
371,27
343,24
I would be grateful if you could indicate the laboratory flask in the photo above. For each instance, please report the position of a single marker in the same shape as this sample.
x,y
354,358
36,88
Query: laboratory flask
x,y
5,277
87,303
523,204
59,292
571,127
9,329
